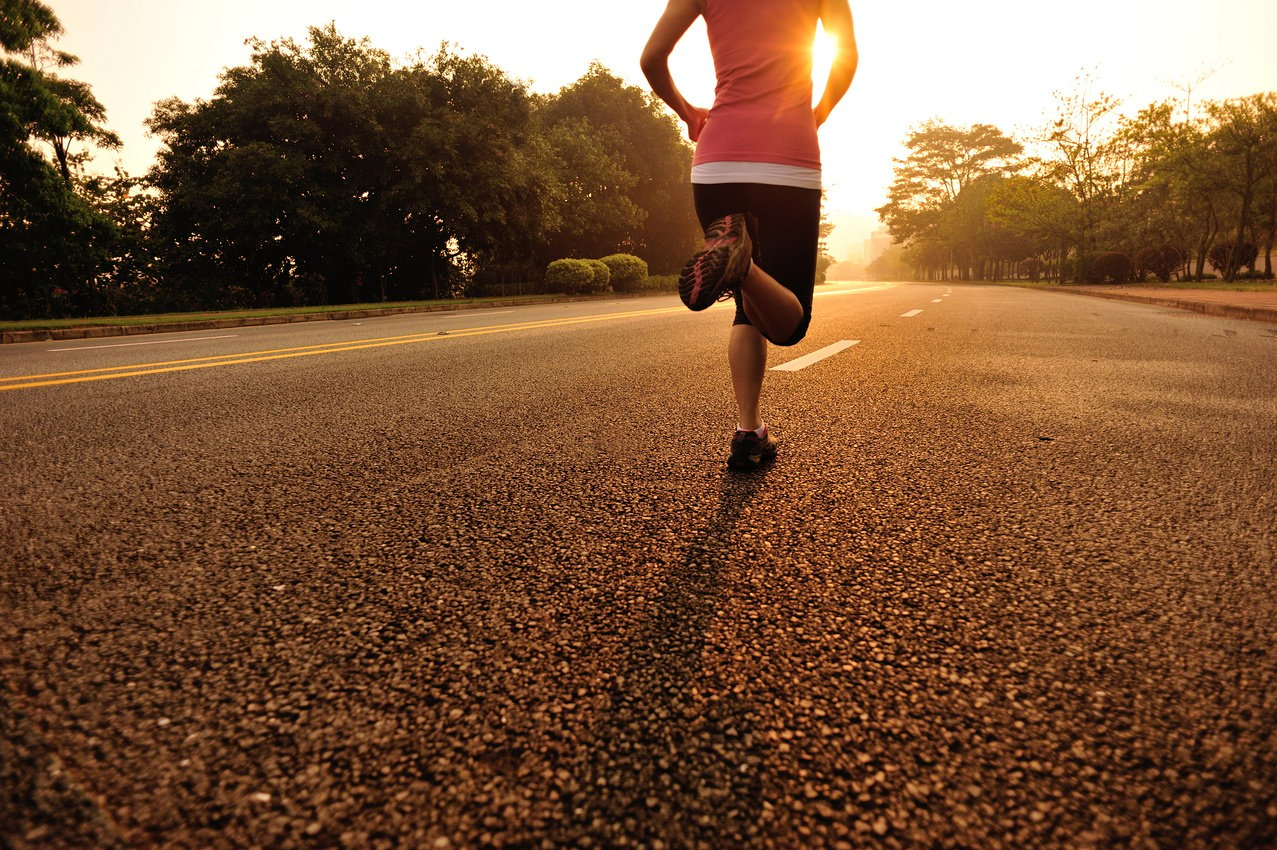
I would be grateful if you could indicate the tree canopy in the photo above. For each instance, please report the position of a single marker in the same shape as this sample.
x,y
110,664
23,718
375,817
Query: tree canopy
x,y
52,242
322,171
1166,192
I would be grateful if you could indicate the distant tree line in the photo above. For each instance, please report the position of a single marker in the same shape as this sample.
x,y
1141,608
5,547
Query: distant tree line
x,y
326,173
1097,196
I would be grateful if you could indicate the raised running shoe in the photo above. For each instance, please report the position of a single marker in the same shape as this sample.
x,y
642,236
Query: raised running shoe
x,y
714,272
750,451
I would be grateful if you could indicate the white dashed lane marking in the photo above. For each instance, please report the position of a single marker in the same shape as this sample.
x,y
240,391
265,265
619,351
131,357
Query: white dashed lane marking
x,y
910,314
816,356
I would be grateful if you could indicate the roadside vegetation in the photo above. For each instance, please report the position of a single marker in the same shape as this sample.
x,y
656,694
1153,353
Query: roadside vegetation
x,y
1176,192
325,173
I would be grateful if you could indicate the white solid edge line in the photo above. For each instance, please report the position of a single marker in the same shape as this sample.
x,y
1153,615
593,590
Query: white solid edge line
x,y
816,356
910,314
150,342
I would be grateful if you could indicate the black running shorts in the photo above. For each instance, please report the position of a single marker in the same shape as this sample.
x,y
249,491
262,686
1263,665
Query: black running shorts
x,y
788,235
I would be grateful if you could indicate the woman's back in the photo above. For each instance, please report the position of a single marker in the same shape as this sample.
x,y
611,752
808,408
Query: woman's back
x,y
763,100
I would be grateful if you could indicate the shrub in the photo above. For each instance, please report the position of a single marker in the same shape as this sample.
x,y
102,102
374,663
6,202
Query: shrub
x,y
628,272
1110,267
823,262
602,279
1160,260
1222,251
661,283
1031,268
570,277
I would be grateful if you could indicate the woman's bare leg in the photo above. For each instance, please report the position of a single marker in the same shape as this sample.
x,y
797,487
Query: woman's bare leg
x,y
747,356
772,309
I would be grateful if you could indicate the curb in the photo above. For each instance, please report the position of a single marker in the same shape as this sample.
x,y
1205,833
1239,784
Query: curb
x,y
104,331
1209,308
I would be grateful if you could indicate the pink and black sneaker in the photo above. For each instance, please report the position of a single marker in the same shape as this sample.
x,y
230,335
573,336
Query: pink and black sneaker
x,y
715,271
750,451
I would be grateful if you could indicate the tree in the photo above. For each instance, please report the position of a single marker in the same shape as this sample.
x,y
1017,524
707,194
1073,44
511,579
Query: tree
x,y
1243,140
1040,211
1081,154
593,212
321,173
646,143
943,160
52,242
934,203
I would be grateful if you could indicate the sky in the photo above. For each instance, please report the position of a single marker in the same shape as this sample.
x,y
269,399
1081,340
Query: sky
x,y
998,62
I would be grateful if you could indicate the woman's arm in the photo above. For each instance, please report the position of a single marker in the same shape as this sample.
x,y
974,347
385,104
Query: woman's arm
x,y
835,16
678,16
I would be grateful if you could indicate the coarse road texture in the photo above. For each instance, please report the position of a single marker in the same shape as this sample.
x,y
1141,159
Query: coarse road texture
x,y
1010,584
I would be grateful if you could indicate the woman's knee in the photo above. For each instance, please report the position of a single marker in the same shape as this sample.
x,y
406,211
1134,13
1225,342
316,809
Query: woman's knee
x,y
798,335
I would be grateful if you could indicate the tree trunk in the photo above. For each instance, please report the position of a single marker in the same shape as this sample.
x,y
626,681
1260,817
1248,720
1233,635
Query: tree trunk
x,y
1204,244
1272,230
1234,255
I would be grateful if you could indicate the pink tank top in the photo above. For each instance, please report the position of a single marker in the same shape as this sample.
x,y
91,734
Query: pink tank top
x,y
762,105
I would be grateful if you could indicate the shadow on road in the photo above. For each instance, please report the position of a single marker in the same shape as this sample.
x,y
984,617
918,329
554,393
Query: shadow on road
x,y
674,758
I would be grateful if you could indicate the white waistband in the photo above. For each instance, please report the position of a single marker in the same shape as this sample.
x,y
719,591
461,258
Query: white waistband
x,y
771,173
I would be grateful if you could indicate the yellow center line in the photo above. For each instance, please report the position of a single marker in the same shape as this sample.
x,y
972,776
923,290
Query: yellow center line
x,y
162,367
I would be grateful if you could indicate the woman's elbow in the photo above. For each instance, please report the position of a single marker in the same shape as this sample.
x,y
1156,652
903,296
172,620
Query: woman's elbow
x,y
653,62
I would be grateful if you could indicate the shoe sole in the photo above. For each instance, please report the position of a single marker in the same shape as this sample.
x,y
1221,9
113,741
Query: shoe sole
x,y
717,267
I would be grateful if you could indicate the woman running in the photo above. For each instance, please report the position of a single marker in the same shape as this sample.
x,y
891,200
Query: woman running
x,y
756,177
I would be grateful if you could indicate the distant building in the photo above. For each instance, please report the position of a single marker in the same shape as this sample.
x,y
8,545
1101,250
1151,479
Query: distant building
x,y
876,245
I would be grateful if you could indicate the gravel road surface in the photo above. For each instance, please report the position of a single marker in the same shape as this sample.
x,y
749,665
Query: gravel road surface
x,y
472,580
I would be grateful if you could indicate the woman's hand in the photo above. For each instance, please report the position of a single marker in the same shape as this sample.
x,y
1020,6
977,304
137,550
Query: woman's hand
x,y
695,120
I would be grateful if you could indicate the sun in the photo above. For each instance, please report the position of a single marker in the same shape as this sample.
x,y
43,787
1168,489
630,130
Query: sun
x,y
824,50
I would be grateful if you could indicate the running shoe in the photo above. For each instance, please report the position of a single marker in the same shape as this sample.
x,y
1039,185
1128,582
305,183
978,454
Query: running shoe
x,y
715,271
750,451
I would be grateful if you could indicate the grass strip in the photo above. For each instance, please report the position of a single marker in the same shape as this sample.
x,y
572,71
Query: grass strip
x,y
219,315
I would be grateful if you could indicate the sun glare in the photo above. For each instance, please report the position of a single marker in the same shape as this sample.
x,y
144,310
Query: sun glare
x,y
823,51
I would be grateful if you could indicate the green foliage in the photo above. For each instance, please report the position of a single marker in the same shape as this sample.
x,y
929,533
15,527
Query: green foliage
x,y
823,262
943,160
1101,183
661,283
1109,267
648,164
602,279
570,277
589,192
628,272
26,22
321,173
54,246
1032,268
1160,260
1227,259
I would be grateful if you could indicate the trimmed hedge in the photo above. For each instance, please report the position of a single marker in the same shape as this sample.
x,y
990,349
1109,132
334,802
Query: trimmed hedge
x,y
569,276
594,277
602,277
628,272
661,283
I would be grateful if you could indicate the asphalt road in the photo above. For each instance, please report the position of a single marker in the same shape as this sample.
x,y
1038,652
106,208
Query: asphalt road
x,y
406,583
